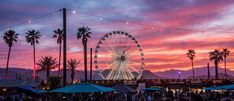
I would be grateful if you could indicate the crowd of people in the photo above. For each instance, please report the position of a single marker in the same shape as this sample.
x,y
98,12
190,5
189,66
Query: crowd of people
x,y
114,96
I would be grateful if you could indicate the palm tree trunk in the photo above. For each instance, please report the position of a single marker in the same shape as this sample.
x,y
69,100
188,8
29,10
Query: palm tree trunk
x,y
8,58
208,71
216,70
85,60
47,74
193,69
72,75
34,62
225,67
60,48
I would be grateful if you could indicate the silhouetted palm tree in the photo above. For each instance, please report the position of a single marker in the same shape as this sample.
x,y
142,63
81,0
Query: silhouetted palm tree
x,y
59,35
9,37
84,33
72,64
217,56
46,64
191,54
225,54
32,37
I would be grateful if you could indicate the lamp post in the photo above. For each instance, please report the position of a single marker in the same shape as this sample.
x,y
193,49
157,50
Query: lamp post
x,y
91,63
179,74
208,71
64,45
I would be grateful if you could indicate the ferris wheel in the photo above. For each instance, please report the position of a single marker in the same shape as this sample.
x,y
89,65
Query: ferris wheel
x,y
119,56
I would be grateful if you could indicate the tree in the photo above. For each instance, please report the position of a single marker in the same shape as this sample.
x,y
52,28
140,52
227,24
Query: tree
x,y
217,57
47,63
32,37
72,64
54,82
9,37
59,35
84,34
225,54
191,54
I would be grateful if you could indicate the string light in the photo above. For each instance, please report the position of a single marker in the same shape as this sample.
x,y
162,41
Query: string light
x,y
120,20
29,21
153,26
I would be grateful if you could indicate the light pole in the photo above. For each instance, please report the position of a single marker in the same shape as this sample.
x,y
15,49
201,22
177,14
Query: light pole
x,y
179,74
91,62
208,71
64,46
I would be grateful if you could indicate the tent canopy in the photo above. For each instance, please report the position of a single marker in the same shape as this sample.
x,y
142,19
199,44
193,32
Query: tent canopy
x,y
83,88
213,88
121,88
18,83
153,89
228,87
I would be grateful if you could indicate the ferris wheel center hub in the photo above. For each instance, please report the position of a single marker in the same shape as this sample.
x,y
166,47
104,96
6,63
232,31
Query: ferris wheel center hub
x,y
122,58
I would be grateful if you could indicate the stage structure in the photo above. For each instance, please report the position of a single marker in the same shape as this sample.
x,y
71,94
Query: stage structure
x,y
119,56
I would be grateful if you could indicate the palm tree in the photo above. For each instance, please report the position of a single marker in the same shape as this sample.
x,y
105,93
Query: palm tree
x,y
217,56
84,33
59,35
191,54
9,37
225,54
46,64
72,64
32,37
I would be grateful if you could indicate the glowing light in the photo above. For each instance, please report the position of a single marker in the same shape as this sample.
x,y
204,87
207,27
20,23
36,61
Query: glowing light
x,y
127,23
29,21
4,89
73,11
179,72
152,27
100,18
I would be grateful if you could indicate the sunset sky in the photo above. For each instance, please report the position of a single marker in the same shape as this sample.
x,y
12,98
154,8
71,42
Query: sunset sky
x,y
166,29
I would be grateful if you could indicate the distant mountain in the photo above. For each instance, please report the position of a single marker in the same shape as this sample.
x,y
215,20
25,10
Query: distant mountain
x,y
14,73
79,75
146,74
150,75
202,71
221,75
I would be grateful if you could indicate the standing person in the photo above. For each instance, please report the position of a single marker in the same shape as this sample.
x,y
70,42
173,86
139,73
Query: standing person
x,y
149,98
142,98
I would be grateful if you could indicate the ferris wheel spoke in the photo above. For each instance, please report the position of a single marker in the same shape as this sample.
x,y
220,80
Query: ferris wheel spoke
x,y
133,61
106,68
129,52
109,44
119,69
134,69
108,49
112,73
129,73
